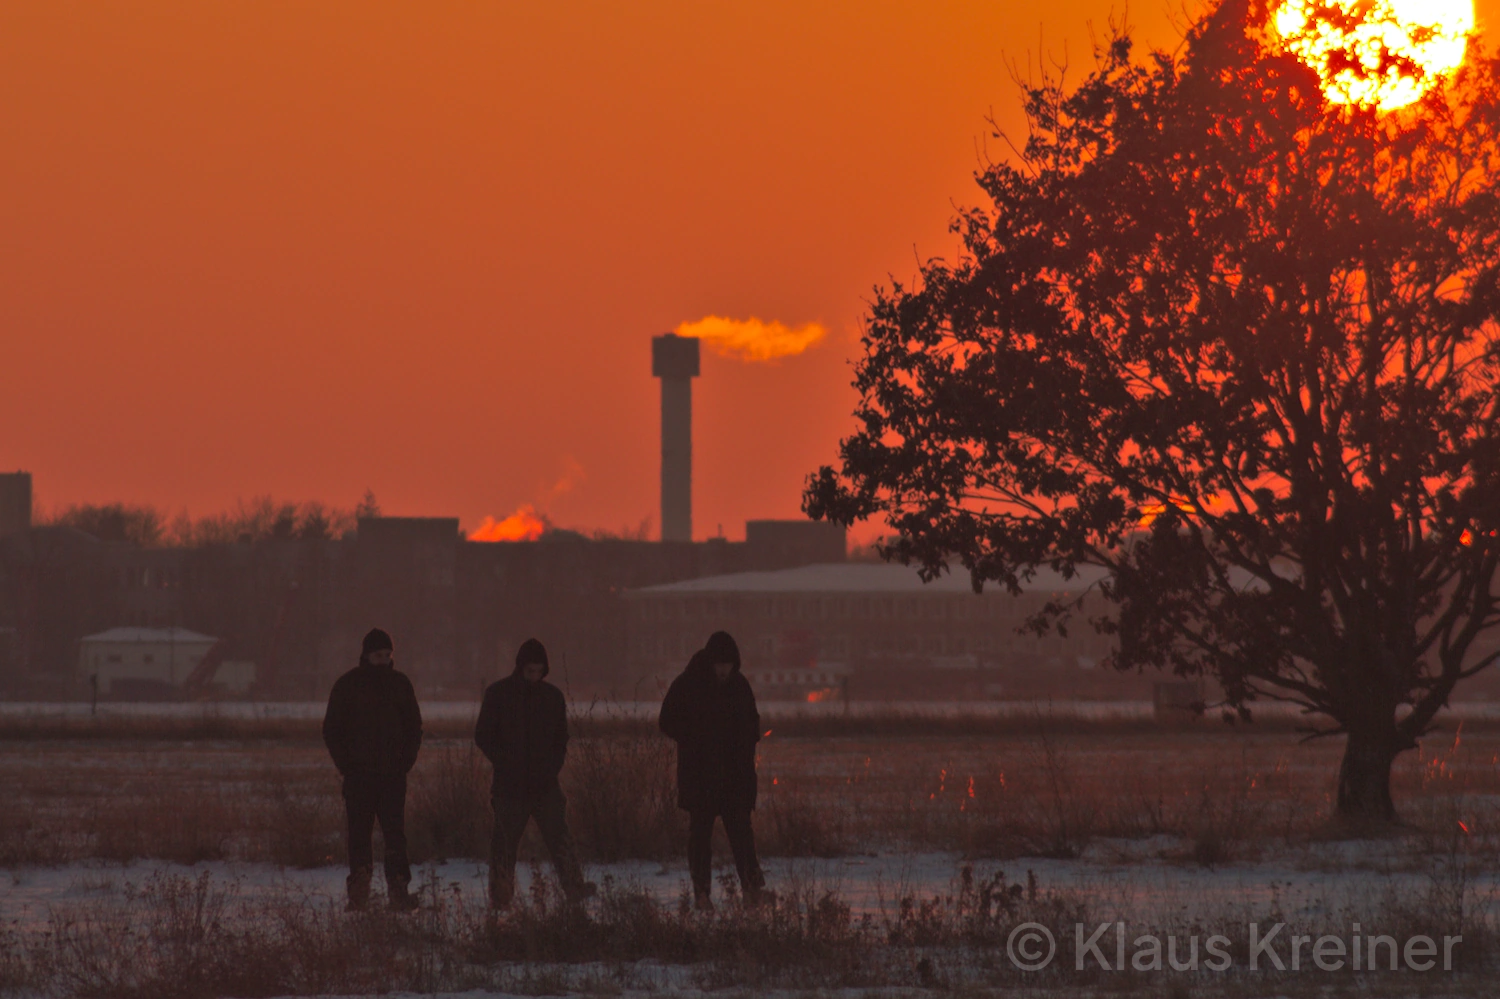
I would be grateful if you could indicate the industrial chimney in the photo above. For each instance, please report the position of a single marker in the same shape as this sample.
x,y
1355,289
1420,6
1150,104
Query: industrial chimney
x,y
674,359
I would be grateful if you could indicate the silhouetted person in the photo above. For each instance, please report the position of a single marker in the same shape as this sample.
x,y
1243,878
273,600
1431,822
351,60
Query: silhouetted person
x,y
523,730
709,711
373,730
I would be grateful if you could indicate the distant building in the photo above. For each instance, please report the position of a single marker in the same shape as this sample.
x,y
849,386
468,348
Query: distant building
x,y
405,580
234,677
777,544
569,591
297,607
141,657
808,632
15,503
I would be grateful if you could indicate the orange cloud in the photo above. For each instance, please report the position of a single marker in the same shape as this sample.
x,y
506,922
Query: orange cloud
x,y
752,339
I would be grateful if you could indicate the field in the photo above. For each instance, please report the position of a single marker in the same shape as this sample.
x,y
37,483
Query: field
x,y
149,856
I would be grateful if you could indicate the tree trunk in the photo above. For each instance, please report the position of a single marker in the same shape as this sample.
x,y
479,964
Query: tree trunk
x,y
1365,778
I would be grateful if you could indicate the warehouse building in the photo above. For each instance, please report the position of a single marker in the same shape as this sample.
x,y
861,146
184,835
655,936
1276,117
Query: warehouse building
x,y
818,631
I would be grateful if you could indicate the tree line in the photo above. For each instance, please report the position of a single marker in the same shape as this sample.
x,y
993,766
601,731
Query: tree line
x,y
260,519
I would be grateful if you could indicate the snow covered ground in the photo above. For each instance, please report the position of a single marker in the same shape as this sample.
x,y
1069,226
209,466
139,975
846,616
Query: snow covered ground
x,y
465,710
1116,880
461,710
1319,889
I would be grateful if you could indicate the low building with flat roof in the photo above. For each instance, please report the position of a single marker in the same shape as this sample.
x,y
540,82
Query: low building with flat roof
x,y
875,628
141,657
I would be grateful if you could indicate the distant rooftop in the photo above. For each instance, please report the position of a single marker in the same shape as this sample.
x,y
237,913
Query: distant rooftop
x,y
865,577
149,635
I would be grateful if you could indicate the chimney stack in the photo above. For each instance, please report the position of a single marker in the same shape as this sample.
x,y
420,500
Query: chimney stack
x,y
674,359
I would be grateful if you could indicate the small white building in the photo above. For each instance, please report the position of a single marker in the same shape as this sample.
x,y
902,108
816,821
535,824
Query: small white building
x,y
158,655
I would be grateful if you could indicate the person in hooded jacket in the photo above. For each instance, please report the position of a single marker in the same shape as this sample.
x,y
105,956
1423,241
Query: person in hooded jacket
x,y
710,712
523,731
373,730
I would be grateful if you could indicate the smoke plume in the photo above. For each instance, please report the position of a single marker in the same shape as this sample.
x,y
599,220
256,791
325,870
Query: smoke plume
x,y
751,339
523,525
528,523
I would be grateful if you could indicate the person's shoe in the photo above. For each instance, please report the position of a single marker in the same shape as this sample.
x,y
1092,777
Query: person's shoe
x,y
358,886
757,897
703,902
500,895
402,900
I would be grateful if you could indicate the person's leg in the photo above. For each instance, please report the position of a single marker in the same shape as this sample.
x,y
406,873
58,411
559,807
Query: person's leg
x,y
741,836
391,810
505,843
701,852
551,812
359,810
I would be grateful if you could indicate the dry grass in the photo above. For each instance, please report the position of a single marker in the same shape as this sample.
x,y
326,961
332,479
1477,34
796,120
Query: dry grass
x,y
1218,795
183,938
191,938
622,797
600,721
448,809
109,727
1196,796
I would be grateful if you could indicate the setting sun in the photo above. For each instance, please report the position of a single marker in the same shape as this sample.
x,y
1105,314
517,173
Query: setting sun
x,y
1385,53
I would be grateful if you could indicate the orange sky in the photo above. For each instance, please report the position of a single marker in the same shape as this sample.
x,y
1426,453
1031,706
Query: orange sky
x,y
306,248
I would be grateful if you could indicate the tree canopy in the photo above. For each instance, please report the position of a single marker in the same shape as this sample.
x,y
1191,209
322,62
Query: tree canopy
x,y
260,519
1236,344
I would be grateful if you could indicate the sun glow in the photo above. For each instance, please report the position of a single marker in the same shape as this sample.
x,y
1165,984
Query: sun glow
x,y
1151,511
1385,53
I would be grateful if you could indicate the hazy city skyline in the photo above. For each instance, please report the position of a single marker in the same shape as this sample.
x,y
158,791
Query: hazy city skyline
x,y
270,249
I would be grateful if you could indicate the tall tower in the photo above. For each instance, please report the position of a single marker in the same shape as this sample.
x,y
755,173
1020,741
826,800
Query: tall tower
x,y
674,359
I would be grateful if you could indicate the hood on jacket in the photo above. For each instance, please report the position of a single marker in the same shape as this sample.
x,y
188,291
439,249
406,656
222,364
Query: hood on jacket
x,y
721,648
531,651
699,665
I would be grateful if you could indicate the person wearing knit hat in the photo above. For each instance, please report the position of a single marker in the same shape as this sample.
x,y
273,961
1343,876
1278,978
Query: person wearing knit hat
x,y
523,731
373,731
710,712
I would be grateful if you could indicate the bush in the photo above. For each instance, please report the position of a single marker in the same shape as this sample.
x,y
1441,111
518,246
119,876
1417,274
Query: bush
x,y
793,824
622,797
156,824
448,805
306,826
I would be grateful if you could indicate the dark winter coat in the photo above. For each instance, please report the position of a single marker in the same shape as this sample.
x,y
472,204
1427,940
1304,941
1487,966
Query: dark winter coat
x,y
373,724
523,730
716,727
